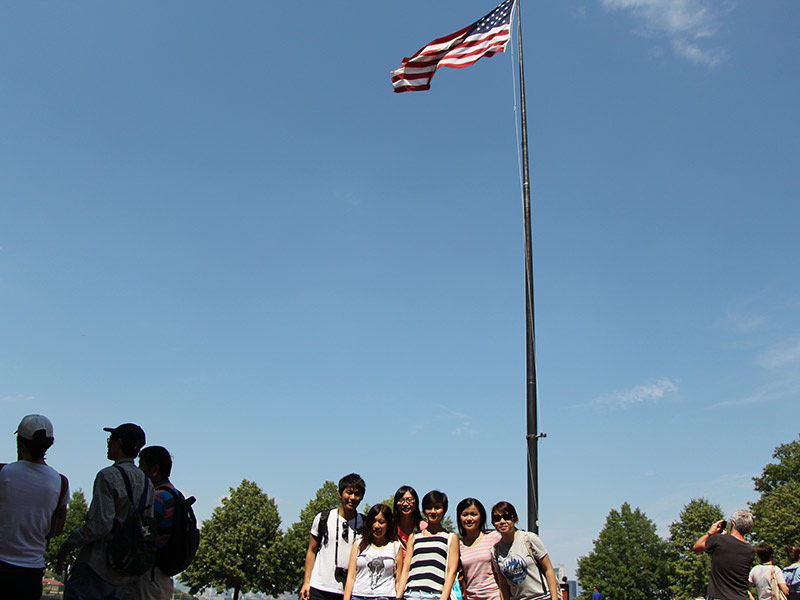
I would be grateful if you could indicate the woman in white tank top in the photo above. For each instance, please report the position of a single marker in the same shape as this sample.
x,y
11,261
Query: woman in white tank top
x,y
376,562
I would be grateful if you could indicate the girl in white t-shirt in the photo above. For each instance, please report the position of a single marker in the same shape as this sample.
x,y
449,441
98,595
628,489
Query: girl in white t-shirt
x,y
761,576
521,560
376,562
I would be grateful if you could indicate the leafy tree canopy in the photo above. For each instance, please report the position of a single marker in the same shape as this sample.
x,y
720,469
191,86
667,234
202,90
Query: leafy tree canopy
x,y
689,571
76,516
629,560
295,543
239,546
776,518
786,470
776,510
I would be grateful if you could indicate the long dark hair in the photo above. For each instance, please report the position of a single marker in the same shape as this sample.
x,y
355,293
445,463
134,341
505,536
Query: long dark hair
x,y
391,531
465,504
416,515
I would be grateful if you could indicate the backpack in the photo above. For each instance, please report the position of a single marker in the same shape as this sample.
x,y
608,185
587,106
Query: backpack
x,y
179,551
322,536
131,548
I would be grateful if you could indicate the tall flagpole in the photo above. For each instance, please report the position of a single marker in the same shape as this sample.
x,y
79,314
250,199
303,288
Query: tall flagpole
x,y
532,436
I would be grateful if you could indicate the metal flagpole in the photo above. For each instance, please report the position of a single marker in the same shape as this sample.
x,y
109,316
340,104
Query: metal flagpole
x,y
532,436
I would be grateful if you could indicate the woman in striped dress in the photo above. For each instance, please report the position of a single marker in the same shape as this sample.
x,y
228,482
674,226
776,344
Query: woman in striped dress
x,y
433,553
475,549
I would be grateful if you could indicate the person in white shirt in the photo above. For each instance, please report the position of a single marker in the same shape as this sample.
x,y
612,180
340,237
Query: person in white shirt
x,y
762,576
33,508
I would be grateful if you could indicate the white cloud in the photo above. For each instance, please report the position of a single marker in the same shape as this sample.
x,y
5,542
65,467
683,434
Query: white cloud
x,y
637,395
740,322
694,53
17,398
458,423
684,22
780,355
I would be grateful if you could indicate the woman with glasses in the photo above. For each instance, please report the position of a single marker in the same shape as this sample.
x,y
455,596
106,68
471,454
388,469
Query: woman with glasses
x,y
432,555
526,572
475,549
406,514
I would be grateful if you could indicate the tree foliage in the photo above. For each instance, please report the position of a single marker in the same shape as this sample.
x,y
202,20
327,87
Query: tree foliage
x,y
689,571
776,510
629,560
786,470
76,516
239,546
295,543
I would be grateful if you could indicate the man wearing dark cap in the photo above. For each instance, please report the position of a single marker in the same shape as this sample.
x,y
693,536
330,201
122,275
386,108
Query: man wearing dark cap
x,y
92,576
33,506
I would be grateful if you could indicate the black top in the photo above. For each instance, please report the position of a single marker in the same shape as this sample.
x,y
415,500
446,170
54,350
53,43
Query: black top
x,y
731,560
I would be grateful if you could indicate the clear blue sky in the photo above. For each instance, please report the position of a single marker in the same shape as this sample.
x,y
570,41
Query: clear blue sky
x,y
218,221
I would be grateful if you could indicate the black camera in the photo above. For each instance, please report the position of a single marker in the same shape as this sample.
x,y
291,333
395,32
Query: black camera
x,y
340,574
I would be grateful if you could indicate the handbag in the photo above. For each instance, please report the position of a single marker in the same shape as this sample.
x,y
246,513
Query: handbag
x,y
777,593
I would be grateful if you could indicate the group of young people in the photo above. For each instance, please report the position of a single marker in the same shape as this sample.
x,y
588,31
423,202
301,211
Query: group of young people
x,y
395,552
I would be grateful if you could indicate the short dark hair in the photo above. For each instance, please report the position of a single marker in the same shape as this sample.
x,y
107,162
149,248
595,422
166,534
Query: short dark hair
x,y
38,446
434,497
157,456
505,507
764,552
353,480
465,504
792,553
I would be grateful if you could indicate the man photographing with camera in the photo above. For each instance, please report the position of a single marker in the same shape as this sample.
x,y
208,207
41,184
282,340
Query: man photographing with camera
x,y
731,557
332,535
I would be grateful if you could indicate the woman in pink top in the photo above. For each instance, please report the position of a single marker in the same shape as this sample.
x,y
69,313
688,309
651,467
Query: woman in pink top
x,y
475,549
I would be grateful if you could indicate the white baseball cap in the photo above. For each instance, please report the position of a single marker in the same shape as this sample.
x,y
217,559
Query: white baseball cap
x,y
33,423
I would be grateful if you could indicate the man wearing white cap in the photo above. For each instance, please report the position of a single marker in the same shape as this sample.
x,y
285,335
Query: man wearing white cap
x,y
33,507
92,576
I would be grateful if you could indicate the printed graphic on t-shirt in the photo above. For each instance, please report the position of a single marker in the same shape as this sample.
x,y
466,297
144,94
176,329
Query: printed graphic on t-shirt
x,y
377,569
514,568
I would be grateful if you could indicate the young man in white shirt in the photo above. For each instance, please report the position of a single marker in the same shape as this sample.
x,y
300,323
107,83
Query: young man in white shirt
x,y
332,535
33,506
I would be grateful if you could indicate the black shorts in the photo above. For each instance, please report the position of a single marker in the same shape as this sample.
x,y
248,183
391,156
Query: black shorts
x,y
20,582
315,594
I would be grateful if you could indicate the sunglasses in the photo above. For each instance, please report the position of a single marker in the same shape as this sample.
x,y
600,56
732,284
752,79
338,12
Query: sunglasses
x,y
505,517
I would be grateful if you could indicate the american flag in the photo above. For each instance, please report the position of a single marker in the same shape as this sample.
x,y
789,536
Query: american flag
x,y
485,37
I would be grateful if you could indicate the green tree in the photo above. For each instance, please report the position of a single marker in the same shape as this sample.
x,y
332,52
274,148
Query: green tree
x,y
629,560
776,510
239,546
689,571
786,470
76,516
295,542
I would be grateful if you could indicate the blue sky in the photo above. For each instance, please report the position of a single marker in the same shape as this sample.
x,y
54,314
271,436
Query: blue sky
x,y
218,221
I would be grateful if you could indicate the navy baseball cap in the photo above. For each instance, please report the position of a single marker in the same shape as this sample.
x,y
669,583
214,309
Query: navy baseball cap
x,y
129,433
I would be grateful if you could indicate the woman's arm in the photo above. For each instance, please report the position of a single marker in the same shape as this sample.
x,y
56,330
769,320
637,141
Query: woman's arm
x,y
403,566
452,567
550,575
351,571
